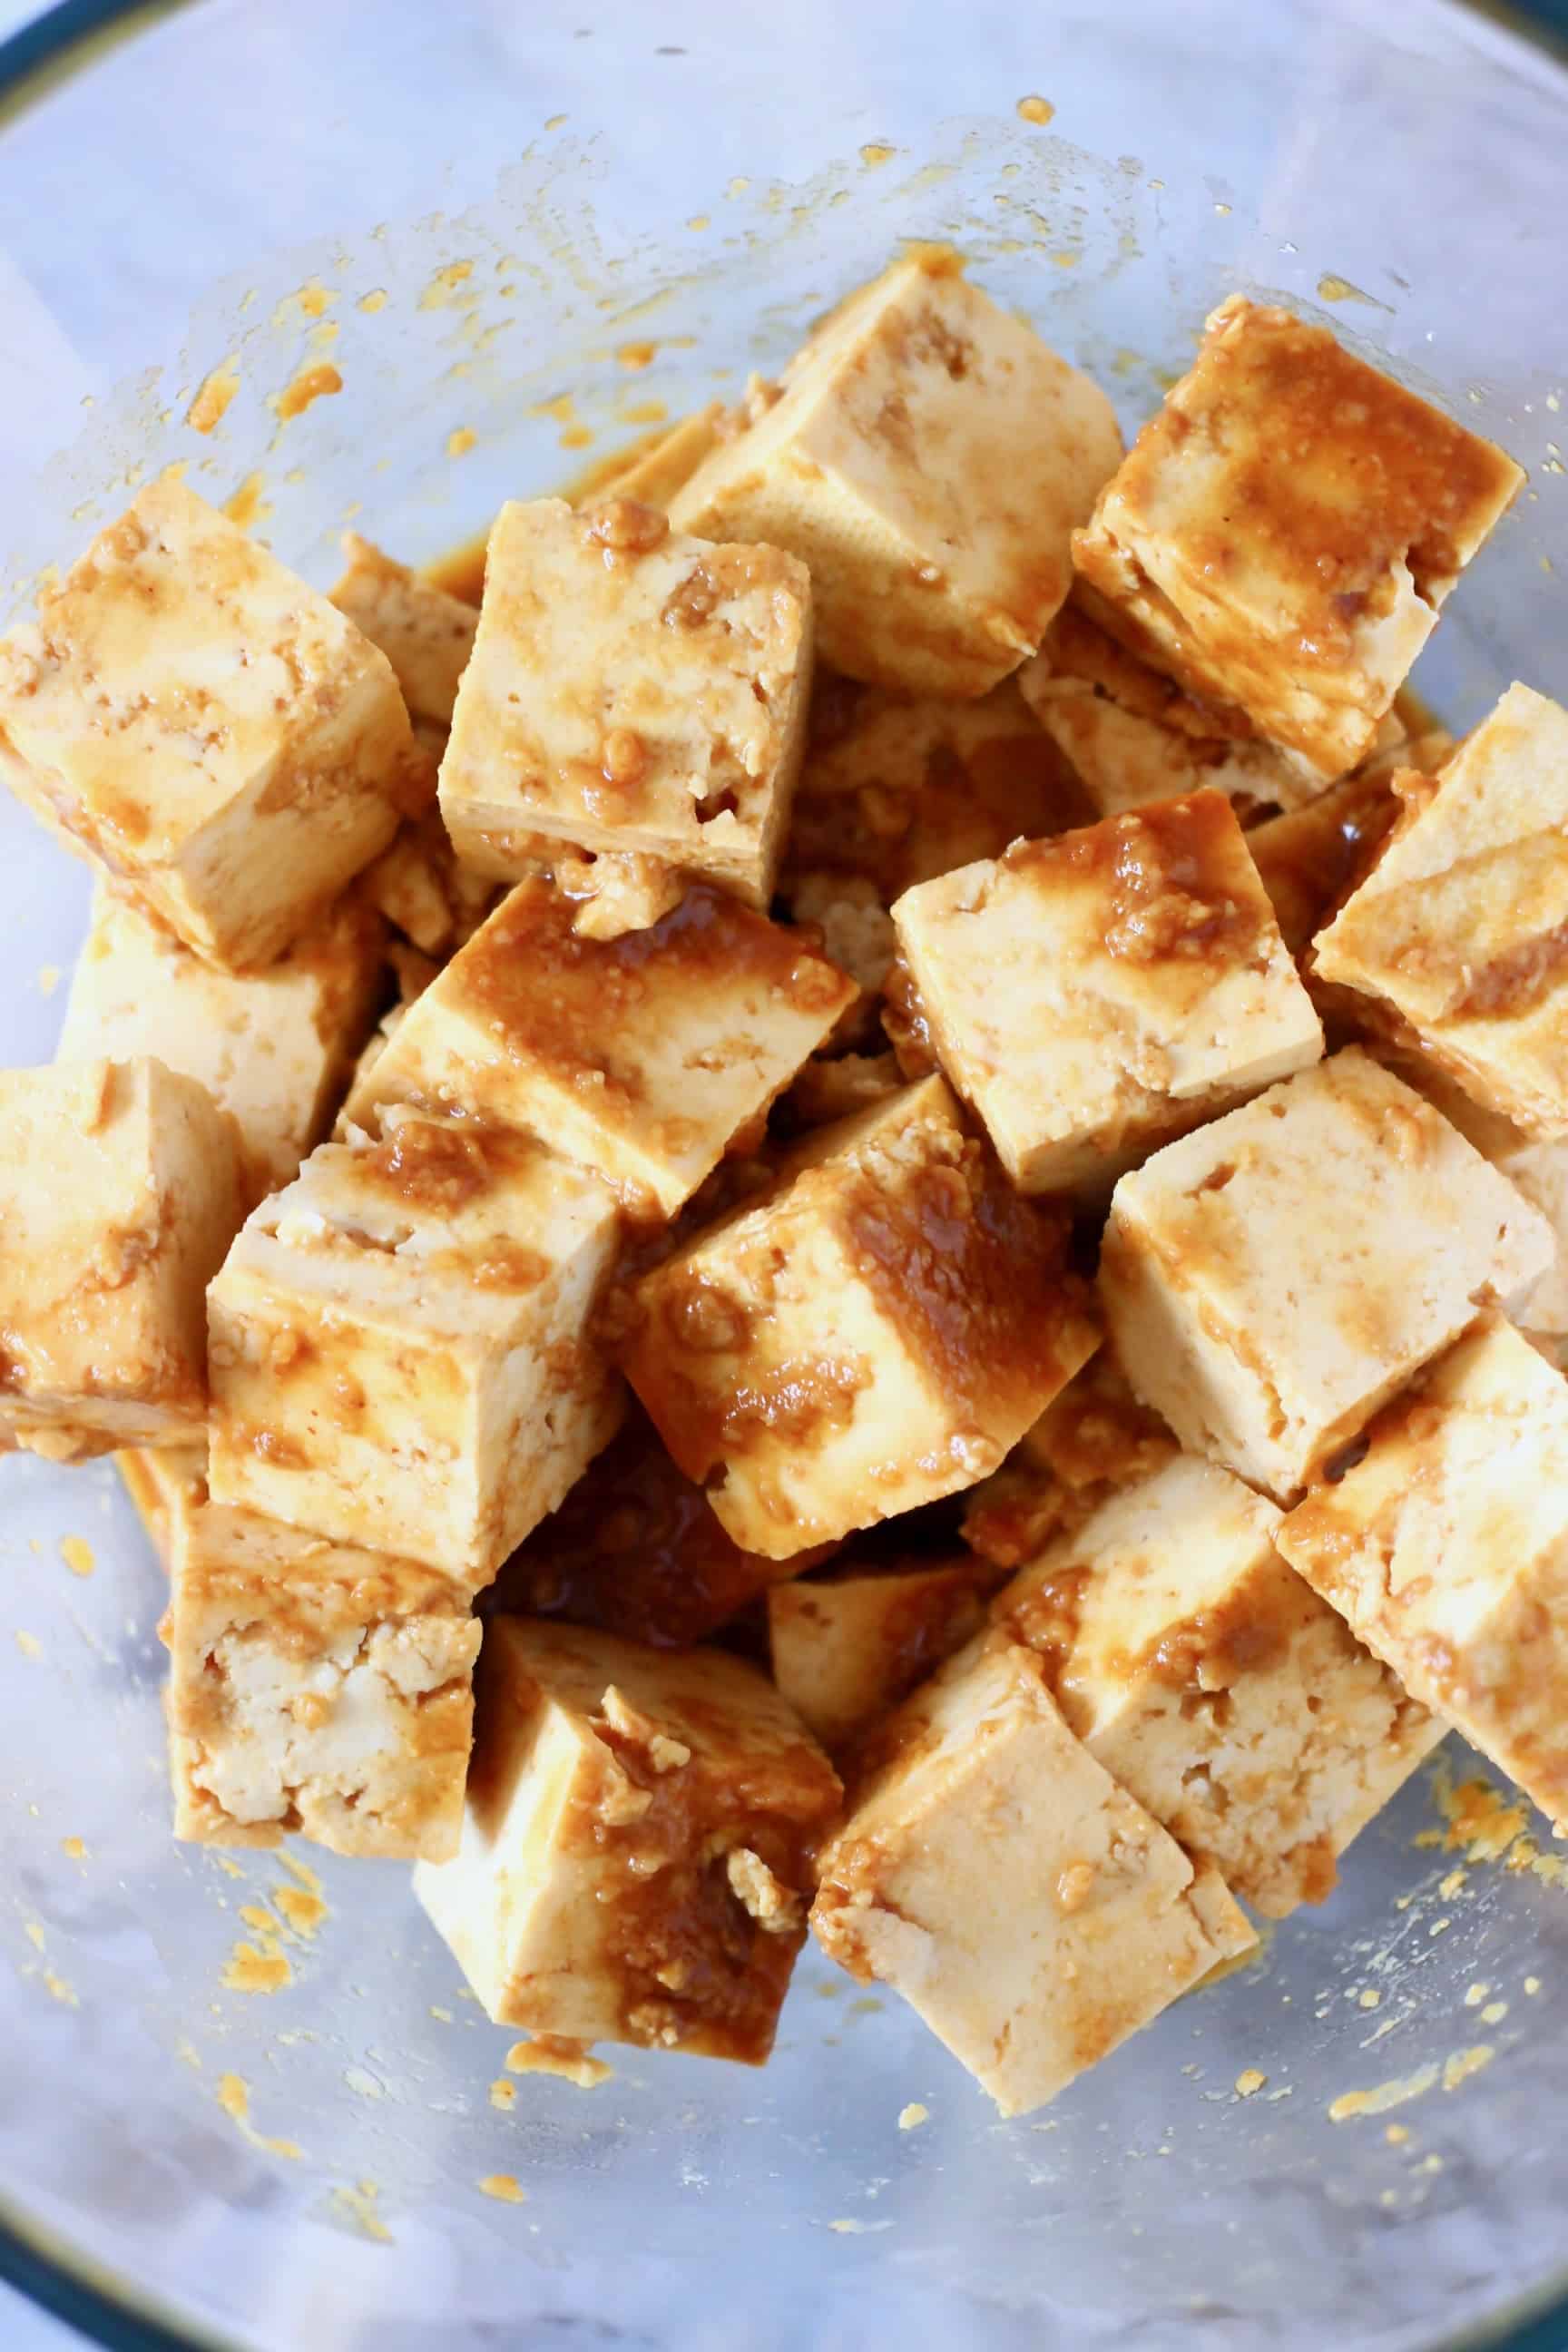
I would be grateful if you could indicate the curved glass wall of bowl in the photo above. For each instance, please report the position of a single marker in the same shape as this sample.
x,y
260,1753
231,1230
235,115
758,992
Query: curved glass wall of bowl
x,y
515,235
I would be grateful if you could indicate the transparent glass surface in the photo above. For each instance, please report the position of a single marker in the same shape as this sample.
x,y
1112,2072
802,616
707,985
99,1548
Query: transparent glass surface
x,y
574,213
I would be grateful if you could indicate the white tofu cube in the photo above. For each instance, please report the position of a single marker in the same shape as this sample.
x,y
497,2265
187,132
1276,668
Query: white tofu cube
x,y
166,1484
1031,1936
1093,995
928,459
641,1056
273,1048
1445,1549
630,689
874,1334
1273,1279
119,1192
1284,529
849,1644
1213,1684
425,635
638,1844
318,1689
1460,930
399,1350
193,717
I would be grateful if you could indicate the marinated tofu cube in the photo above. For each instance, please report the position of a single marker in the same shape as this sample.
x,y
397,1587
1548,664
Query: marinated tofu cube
x,y
166,1484
1099,1433
272,1048
1273,1279
1031,1936
318,1689
1460,930
1284,529
872,1335
630,689
119,1192
400,1345
1215,1686
1308,858
1445,1549
1093,995
848,1645
928,459
654,477
637,1843
425,890
207,728
642,1057
425,635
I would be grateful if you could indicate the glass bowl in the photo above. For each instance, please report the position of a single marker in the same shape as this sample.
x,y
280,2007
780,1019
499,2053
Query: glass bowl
x,y
520,236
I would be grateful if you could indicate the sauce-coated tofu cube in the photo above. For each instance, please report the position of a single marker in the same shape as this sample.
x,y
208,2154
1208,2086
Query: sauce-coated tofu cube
x,y
637,1843
848,1645
166,1485
206,726
425,635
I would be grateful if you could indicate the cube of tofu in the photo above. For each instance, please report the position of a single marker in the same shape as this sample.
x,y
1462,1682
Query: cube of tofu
x,y
641,1056
928,459
1308,858
1283,531
638,1844
1031,1936
848,1645
1460,930
119,1192
399,1346
630,689
872,1335
273,1048
1094,994
425,890
1213,1684
1271,1355
1445,1549
1098,1433
194,719
425,635
657,472
166,1484
316,1688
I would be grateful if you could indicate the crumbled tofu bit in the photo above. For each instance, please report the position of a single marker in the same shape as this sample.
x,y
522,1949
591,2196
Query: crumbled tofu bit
x,y
1284,529
1308,858
850,1082
857,928
653,477
874,1334
1094,994
119,1192
1460,931
193,717
316,1688
1445,1549
425,891
273,1048
166,1484
1133,737
1213,1684
1031,1939
848,1645
425,635
928,459
630,689
1270,1363
641,1056
600,1897
622,891
400,1348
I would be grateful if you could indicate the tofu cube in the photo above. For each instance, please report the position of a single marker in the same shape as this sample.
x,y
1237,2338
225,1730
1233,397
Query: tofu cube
x,y
166,1484
1273,1279
654,476
1215,1686
318,1689
272,1048
1098,1433
1032,1936
400,1349
1093,995
641,1056
1445,1549
929,458
119,1192
630,689
206,727
1460,931
638,1844
1308,858
425,891
848,1645
425,635
872,1335
1282,532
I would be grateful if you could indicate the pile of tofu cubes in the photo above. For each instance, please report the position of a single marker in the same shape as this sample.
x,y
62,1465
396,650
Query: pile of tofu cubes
x,y
961,1254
